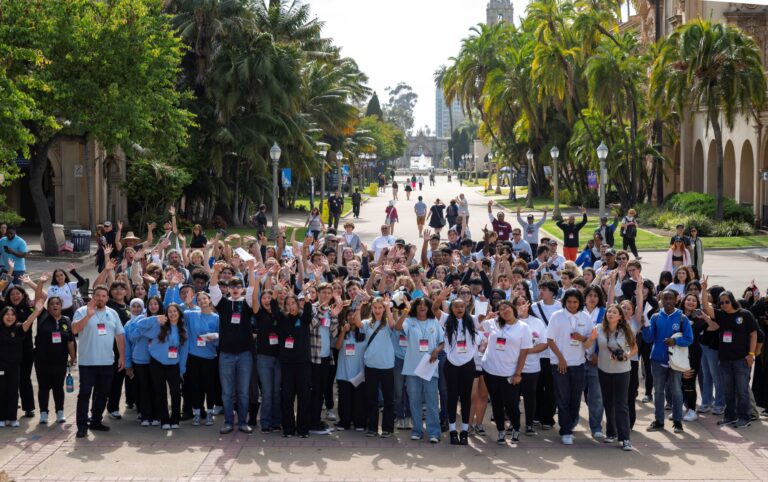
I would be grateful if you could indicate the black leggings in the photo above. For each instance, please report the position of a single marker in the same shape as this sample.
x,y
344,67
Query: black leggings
x,y
505,400
528,388
50,378
145,398
384,379
26,393
163,375
645,355
459,382
200,380
295,378
634,384
545,394
630,243
689,384
9,391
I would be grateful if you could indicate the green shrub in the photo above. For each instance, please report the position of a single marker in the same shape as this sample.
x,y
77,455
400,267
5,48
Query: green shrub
x,y
732,228
701,222
706,204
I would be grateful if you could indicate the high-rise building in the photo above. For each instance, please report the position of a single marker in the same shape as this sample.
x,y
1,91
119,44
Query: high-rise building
x,y
498,11
443,117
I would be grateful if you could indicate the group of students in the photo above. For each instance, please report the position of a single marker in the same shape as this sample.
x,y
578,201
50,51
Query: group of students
x,y
406,332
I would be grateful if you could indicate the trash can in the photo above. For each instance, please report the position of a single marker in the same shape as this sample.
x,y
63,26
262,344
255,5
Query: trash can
x,y
373,189
81,240
58,232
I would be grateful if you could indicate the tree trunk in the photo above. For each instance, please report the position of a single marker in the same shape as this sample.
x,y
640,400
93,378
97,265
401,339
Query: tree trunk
x,y
720,160
236,197
39,163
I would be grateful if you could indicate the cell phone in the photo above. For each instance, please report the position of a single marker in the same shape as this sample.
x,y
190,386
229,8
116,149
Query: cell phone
x,y
697,313
223,232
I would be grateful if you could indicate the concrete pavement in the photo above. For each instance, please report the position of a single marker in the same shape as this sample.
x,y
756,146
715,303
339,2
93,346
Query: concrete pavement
x,y
132,453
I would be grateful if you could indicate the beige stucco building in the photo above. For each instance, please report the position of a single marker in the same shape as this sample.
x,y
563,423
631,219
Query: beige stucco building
x,y
75,170
746,146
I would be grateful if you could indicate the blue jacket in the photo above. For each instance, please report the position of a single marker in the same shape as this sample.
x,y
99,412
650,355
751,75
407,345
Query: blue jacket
x,y
136,347
585,259
663,326
172,295
160,351
198,324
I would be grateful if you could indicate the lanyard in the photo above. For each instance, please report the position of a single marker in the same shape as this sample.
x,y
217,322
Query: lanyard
x,y
424,330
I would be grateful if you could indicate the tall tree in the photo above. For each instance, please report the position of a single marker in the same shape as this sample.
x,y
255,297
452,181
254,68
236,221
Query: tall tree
x,y
713,67
374,107
399,107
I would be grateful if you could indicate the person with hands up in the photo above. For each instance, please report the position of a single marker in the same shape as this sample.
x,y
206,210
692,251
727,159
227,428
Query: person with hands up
x,y
352,345
54,343
324,328
98,328
570,231
12,334
665,329
569,333
425,337
201,376
379,361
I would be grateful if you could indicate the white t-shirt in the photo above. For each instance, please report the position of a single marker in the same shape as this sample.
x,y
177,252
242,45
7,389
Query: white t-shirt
x,y
538,335
561,325
380,243
65,292
548,310
462,347
504,345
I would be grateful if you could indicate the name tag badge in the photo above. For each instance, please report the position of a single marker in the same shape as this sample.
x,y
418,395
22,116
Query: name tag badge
x,y
101,328
727,337
173,352
235,318
423,345
273,340
574,341
403,341
200,341
349,349
501,344
289,342
570,235
326,322
461,346
2,374
55,337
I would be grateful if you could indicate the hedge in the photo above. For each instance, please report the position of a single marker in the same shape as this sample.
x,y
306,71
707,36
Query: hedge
x,y
706,204
666,219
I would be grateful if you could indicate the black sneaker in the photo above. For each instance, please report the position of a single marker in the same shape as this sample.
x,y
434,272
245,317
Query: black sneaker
x,y
464,437
546,426
98,427
742,424
454,437
502,440
529,431
678,426
303,435
655,427
81,433
29,414
443,426
727,421
515,436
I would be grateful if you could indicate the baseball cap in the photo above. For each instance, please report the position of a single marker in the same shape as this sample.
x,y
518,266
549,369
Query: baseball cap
x,y
400,241
107,224
610,252
435,236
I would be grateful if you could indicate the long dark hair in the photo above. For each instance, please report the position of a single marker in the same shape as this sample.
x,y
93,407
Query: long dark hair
x,y
415,304
452,323
512,304
598,291
5,310
160,309
53,276
166,328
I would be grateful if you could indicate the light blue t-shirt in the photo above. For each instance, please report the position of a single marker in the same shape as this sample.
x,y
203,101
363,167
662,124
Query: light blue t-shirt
x,y
380,353
350,362
395,337
18,245
98,336
420,208
325,341
416,331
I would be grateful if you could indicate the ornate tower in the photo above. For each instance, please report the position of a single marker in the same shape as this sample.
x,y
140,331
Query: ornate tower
x,y
498,11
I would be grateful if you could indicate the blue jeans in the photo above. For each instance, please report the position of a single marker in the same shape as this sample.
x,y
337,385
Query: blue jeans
x,y
402,409
666,379
235,374
594,398
709,378
735,378
442,386
569,388
422,392
268,368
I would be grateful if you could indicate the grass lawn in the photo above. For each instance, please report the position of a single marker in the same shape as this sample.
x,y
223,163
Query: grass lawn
x,y
539,203
251,231
647,240
521,192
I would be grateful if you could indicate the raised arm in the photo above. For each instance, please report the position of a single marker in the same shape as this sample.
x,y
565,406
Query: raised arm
x,y
39,303
118,236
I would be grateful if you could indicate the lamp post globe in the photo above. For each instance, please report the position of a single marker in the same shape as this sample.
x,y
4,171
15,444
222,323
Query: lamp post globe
x,y
555,153
340,184
274,153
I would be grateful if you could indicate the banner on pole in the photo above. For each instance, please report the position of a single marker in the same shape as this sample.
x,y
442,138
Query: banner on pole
x,y
592,179
286,177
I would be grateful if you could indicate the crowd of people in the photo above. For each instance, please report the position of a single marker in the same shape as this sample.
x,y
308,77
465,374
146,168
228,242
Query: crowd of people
x,y
407,332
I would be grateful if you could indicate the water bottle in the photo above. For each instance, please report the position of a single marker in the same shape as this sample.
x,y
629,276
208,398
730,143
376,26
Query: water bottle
x,y
70,382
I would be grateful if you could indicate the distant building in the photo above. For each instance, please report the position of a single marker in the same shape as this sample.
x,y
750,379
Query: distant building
x,y
499,11
443,115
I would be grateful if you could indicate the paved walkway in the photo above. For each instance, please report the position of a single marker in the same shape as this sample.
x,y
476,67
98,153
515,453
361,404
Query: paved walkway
x,y
132,453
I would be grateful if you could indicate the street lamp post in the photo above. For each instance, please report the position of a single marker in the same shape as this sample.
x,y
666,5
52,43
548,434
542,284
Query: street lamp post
x,y
274,153
529,197
555,153
323,152
339,158
602,154
490,173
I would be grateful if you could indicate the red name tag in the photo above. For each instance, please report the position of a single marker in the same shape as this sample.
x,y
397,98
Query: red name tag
x,y
423,345
501,344
173,352
349,349
101,328
289,342
55,337
273,340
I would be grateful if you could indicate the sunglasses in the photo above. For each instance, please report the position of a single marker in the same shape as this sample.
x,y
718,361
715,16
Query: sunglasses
x,y
464,293
725,302
622,258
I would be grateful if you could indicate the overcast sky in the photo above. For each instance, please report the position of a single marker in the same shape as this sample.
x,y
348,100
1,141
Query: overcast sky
x,y
402,40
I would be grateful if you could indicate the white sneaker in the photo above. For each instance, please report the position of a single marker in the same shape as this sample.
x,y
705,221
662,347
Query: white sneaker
x,y
15,423
145,423
2,424
690,416
669,417
209,418
155,423
330,415
115,415
218,410
43,418
567,439
174,426
166,426
196,420
60,418
598,435
704,409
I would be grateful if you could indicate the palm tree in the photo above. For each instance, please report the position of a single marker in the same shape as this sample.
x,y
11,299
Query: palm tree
x,y
714,67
